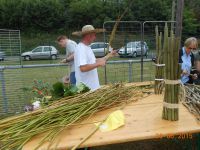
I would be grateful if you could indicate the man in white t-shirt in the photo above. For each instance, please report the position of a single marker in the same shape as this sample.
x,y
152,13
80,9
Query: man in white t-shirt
x,y
70,46
85,62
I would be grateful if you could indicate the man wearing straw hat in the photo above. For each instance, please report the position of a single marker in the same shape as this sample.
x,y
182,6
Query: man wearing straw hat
x,y
85,62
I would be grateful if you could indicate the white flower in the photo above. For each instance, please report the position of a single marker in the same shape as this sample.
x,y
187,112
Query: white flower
x,y
36,105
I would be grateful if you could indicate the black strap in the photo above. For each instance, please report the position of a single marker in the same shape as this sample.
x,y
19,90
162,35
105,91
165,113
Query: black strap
x,y
181,54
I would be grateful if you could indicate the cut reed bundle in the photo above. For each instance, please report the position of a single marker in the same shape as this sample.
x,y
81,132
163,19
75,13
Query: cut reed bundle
x,y
159,73
16,131
172,75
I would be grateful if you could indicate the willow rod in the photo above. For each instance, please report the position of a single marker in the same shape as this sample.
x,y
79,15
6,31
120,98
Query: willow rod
x,y
110,55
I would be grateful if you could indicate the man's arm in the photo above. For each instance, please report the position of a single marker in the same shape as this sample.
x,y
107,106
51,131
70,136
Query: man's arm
x,y
88,67
99,63
70,57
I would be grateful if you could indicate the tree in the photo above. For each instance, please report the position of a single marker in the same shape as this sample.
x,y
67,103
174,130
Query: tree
x,y
145,10
90,12
38,14
190,23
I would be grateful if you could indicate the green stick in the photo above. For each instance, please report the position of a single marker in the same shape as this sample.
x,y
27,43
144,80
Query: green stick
x,y
171,45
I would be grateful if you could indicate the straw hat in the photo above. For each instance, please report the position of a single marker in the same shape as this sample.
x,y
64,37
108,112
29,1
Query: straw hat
x,y
88,29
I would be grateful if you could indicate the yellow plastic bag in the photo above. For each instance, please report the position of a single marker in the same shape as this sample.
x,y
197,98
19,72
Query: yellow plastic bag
x,y
114,121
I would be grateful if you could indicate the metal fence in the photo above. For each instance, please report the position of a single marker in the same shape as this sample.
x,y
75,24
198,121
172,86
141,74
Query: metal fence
x,y
135,31
10,45
10,49
16,75
14,79
149,32
127,32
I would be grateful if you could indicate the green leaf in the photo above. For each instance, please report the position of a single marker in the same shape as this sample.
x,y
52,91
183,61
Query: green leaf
x,y
58,90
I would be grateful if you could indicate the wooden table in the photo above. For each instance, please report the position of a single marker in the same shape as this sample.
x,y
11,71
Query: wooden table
x,y
143,121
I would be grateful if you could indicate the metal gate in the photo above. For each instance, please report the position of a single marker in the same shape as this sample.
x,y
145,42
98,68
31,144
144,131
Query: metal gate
x,y
149,36
126,35
10,51
149,32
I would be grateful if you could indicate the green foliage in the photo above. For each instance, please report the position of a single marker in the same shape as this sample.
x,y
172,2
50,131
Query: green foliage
x,y
145,10
82,88
48,15
61,90
37,14
38,91
73,90
43,92
70,90
191,21
58,90
65,16
190,24
91,12
40,88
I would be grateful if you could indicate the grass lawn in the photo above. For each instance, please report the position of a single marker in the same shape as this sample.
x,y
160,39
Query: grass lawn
x,y
17,79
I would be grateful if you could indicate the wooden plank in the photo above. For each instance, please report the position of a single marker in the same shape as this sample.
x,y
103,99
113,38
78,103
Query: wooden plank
x,y
143,121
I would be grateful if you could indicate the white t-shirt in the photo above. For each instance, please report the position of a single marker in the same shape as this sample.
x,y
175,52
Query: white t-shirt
x,y
70,48
83,56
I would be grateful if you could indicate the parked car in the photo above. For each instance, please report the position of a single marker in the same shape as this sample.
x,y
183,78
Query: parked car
x,y
133,49
41,52
99,47
2,56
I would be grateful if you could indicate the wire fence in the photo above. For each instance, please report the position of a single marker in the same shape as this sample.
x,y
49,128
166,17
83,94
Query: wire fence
x,y
149,33
127,40
10,46
127,31
15,79
16,75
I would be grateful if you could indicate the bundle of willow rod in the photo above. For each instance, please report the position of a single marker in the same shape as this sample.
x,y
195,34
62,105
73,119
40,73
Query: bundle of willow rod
x,y
172,75
192,99
159,73
15,132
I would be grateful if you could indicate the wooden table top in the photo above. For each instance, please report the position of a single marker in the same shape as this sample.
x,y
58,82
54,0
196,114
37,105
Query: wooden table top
x,y
142,121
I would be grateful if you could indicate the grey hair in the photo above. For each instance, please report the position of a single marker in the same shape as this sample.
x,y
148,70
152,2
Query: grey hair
x,y
191,40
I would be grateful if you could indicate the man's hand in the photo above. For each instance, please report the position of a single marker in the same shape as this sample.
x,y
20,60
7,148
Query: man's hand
x,y
66,80
64,61
114,52
185,72
101,62
194,76
68,59
111,54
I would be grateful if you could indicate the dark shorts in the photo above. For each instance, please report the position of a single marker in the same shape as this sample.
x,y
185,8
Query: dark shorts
x,y
72,78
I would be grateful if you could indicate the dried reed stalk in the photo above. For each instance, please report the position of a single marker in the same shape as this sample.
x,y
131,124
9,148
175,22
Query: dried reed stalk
x,y
192,99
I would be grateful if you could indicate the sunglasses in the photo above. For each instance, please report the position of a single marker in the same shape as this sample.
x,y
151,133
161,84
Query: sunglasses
x,y
191,48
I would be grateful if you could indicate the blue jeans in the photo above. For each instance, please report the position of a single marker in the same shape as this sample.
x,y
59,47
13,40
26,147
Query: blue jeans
x,y
72,78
